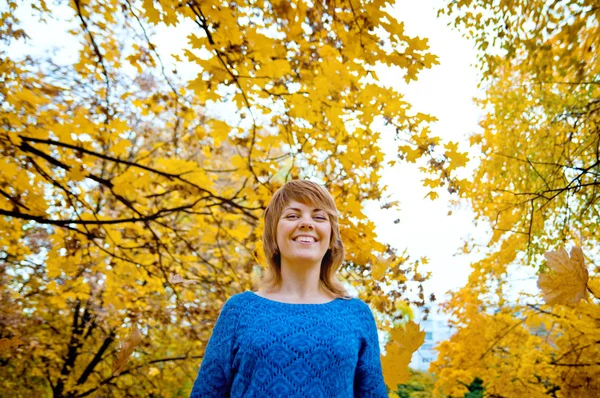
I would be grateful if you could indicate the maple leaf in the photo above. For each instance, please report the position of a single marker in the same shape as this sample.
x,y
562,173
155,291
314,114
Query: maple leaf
x,y
395,365
127,348
411,337
404,342
568,283
77,173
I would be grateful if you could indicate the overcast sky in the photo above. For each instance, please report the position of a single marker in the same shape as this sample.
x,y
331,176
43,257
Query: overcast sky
x,y
445,91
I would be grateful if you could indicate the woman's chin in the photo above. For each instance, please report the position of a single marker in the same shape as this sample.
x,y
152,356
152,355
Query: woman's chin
x,y
304,258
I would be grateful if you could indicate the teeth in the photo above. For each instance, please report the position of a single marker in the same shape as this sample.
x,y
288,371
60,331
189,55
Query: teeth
x,y
304,239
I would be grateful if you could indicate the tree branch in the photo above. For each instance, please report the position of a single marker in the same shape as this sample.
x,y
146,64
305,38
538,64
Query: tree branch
x,y
97,358
98,53
130,370
170,176
501,337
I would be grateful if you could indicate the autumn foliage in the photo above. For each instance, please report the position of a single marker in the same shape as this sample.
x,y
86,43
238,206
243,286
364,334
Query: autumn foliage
x,y
134,178
537,185
130,206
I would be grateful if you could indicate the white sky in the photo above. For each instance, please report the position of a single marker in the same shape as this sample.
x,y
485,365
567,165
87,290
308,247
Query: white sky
x,y
445,91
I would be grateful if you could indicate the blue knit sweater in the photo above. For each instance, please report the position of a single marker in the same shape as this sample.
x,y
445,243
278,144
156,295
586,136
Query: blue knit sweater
x,y
268,349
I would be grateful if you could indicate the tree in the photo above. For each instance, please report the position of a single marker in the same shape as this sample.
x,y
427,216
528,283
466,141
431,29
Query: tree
x,y
537,184
129,212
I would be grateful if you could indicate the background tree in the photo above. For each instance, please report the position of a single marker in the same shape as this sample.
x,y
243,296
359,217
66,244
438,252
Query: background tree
x,y
538,185
130,212
419,385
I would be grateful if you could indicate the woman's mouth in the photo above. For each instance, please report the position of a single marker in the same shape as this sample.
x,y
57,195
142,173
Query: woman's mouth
x,y
305,240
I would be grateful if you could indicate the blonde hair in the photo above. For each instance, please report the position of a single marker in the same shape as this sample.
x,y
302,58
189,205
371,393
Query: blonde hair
x,y
313,194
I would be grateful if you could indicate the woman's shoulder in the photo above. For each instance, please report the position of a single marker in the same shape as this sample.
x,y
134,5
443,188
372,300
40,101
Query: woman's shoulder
x,y
360,307
238,299
355,301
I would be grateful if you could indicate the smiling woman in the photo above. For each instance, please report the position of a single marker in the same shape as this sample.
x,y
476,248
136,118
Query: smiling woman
x,y
302,207
303,238
300,335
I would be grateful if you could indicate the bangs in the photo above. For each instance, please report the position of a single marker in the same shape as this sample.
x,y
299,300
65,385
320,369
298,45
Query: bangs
x,y
305,192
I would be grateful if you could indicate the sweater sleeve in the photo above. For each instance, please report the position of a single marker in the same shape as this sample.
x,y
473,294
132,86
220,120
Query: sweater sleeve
x,y
215,375
368,379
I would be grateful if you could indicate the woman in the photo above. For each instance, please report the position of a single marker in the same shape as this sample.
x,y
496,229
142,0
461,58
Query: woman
x,y
301,335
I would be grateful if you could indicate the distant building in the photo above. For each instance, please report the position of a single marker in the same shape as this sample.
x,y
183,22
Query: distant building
x,y
437,329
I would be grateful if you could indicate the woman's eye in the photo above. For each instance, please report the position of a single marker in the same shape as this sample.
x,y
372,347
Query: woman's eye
x,y
292,216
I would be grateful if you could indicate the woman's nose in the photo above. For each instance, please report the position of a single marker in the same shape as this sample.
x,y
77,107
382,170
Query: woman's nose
x,y
306,225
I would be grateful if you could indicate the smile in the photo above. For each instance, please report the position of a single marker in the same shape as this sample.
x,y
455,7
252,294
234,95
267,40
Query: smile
x,y
305,240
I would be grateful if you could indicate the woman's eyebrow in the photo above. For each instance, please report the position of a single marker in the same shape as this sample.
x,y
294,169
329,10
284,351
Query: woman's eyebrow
x,y
297,209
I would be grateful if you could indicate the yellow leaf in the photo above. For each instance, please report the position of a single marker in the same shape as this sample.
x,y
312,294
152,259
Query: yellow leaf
x,y
395,365
152,13
153,371
432,195
568,283
9,169
404,342
432,183
76,173
410,337
124,184
219,131
410,154
14,138
175,165
134,61
127,348
456,158
378,269
120,148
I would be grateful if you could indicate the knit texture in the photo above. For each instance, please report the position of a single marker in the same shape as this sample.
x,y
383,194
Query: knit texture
x,y
264,348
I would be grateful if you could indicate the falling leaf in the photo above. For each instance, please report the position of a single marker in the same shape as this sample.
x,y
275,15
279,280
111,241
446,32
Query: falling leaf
x,y
567,284
410,337
7,344
176,279
432,195
404,342
378,269
127,348
395,365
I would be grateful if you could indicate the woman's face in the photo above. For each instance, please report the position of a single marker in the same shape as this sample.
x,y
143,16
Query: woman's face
x,y
303,233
